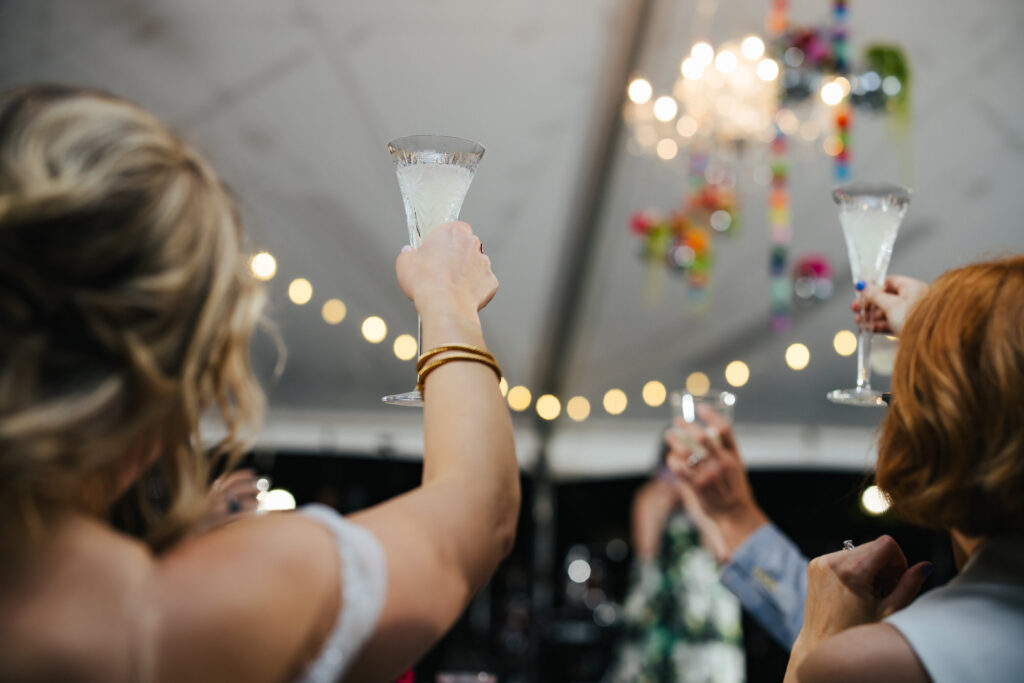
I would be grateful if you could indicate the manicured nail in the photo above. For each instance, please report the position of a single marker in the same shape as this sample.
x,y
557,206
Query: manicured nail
x,y
861,285
927,570
407,248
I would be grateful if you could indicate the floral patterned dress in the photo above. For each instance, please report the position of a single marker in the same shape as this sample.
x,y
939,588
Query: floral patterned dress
x,y
681,624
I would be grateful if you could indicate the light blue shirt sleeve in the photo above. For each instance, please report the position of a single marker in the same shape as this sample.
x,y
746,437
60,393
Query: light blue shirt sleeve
x,y
768,573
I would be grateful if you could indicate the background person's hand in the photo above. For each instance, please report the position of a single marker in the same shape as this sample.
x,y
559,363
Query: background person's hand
x,y
231,496
716,490
886,307
448,269
652,504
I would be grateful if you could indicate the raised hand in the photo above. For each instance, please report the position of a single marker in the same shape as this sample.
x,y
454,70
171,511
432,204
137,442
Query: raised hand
x,y
885,308
716,491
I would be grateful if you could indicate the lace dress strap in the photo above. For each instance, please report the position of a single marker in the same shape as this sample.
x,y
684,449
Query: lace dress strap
x,y
363,589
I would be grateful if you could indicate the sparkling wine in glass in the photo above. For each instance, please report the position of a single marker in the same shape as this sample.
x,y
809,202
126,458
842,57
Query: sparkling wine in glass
x,y
434,173
870,216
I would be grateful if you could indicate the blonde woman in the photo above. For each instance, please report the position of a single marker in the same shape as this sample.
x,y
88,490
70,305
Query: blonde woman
x,y
125,312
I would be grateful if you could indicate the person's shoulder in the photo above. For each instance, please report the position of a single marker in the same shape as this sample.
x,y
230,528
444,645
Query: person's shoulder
x,y
873,653
252,600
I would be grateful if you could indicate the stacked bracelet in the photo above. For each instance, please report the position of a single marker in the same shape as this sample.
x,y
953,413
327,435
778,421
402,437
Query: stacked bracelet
x,y
425,366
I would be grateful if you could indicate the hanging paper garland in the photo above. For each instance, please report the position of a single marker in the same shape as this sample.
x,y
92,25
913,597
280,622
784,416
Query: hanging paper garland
x,y
780,220
844,114
780,215
683,240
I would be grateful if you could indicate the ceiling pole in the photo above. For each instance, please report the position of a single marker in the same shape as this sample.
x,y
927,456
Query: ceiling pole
x,y
564,313
580,247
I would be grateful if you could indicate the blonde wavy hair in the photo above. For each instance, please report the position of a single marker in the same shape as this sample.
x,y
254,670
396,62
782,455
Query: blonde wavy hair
x,y
951,453
126,310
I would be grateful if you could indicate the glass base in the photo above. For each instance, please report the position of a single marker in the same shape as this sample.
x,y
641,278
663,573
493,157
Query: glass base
x,y
410,399
866,398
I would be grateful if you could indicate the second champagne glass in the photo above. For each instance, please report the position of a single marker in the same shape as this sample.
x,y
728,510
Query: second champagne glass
x,y
870,215
434,173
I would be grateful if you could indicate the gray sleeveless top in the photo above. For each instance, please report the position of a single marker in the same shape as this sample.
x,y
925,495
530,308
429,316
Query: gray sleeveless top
x,y
972,629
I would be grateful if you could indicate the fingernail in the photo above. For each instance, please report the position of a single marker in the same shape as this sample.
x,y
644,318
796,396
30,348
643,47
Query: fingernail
x,y
927,570
861,285
406,248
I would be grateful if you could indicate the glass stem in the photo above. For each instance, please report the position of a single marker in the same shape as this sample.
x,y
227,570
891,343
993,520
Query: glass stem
x,y
864,337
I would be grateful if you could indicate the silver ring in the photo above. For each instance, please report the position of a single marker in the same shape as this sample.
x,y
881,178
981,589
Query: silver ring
x,y
695,459
848,544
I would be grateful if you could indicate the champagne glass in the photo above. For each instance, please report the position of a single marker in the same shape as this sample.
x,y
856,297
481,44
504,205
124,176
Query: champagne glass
x,y
434,173
686,404
870,215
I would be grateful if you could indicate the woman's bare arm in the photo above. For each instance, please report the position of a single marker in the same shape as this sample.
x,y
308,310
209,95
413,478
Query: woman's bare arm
x,y
872,653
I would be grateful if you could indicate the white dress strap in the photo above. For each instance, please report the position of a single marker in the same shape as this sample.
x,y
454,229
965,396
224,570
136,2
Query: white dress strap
x,y
363,589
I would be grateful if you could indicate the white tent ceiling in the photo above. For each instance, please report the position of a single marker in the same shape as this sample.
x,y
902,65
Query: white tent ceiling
x,y
294,101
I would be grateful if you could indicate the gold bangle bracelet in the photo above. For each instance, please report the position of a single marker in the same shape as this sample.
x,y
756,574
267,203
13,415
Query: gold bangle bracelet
x,y
421,378
468,348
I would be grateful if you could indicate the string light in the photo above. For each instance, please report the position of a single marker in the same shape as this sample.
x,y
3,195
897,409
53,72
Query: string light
x,y
578,408
654,393
548,407
333,311
797,356
698,383
519,398
374,329
615,401
845,343
737,373
405,347
640,90
300,291
263,265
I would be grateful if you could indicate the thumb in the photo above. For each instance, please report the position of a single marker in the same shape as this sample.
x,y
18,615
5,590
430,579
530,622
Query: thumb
x,y
906,589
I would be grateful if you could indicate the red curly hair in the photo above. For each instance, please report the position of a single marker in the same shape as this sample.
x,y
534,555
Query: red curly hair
x,y
951,453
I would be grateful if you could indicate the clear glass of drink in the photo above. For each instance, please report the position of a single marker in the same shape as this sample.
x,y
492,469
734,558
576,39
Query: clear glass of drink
x,y
870,215
434,173
691,407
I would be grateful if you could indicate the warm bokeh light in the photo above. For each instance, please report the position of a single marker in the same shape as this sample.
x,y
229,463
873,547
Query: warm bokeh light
x,y
874,501
665,108
832,93
300,291
725,62
667,149
406,346
578,408
767,70
263,265
519,398
737,373
503,386
374,329
275,500
333,311
797,356
640,90
698,383
687,126
832,145
548,406
654,393
703,53
615,401
788,121
691,68
845,343
752,47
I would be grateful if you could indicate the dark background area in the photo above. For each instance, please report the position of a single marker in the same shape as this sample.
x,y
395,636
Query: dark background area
x,y
572,637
